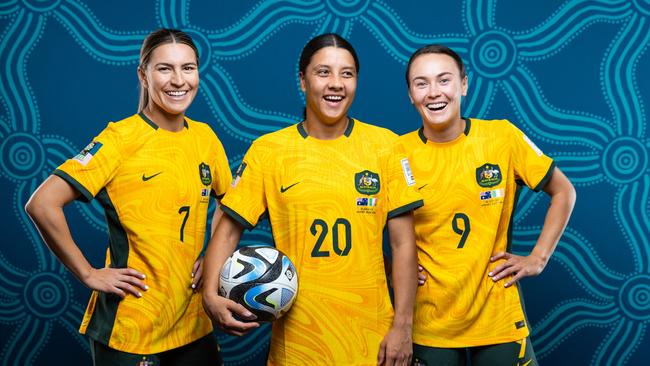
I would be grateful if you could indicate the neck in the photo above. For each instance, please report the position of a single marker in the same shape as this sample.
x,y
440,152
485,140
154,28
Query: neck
x,y
164,120
445,132
325,131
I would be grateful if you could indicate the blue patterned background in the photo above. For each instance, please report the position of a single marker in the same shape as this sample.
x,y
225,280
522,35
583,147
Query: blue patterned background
x,y
569,73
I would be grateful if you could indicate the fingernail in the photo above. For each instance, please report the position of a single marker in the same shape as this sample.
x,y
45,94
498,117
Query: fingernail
x,y
192,274
143,276
193,286
490,274
146,287
139,294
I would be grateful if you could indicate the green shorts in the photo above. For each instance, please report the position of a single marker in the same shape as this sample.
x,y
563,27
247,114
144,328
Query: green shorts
x,y
204,351
518,353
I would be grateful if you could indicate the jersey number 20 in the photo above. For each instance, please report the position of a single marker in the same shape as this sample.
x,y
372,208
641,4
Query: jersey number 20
x,y
319,227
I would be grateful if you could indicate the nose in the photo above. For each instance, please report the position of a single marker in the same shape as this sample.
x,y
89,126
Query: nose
x,y
335,83
177,78
433,90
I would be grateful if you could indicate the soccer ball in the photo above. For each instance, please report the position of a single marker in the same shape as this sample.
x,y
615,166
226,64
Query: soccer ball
x,y
262,279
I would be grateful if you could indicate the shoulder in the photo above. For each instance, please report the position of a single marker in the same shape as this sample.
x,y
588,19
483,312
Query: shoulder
x,y
283,135
410,137
272,142
125,128
200,127
494,127
376,132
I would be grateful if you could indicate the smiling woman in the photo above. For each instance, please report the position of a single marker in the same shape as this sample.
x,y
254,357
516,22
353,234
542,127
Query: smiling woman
x,y
471,172
330,184
153,173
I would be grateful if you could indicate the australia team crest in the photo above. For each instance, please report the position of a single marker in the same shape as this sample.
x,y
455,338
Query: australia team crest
x,y
488,175
367,182
204,172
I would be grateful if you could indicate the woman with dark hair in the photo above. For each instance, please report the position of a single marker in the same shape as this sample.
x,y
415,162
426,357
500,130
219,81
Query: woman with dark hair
x,y
330,184
470,172
153,173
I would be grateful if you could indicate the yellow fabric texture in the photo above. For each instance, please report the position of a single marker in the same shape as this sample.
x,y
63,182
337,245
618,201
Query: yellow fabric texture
x,y
469,186
157,185
327,202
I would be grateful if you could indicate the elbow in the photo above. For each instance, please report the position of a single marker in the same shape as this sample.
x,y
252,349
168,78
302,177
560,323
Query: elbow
x,y
571,196
34,207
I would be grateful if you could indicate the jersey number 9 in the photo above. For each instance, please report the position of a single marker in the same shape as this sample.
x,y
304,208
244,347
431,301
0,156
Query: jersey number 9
x,y
464,231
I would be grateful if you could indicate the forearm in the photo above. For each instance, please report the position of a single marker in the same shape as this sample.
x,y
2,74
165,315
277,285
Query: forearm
x,y
222,244
215,219
50,221
555,222
563,197
404,269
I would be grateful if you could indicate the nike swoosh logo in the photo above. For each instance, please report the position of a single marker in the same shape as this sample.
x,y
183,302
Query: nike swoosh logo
x,y
423,186
527,363
144,178
282,189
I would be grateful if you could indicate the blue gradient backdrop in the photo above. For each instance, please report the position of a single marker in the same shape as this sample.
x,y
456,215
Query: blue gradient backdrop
x,y
569,73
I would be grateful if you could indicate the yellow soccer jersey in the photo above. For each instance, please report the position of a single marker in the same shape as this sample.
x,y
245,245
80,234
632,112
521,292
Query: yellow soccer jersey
x,y
327,202
470,187
154,186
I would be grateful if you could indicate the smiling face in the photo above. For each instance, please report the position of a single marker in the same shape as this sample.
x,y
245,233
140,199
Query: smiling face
x,y
171,78
435,90
329,83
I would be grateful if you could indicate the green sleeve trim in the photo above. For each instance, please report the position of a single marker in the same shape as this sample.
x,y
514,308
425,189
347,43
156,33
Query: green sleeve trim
x,y
410,207
546,178
86,196
237,217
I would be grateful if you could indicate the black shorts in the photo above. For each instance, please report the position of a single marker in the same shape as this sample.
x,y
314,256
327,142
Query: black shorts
x,y
204,351
518,353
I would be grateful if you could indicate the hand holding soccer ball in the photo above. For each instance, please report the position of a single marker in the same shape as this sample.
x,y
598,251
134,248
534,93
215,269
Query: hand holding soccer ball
x,y
261,279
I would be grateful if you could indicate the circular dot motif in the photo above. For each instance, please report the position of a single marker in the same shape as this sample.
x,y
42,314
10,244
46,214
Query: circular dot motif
x,y
203,46
41,6
634,297
46,295
348,8
493,54
23,156
625,159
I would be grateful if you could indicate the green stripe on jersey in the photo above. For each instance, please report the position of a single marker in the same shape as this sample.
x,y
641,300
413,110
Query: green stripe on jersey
x,y
101,323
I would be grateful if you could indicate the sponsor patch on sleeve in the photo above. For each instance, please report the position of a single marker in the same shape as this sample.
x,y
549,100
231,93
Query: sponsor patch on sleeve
x,y
238,175
532,145
88,152
408,174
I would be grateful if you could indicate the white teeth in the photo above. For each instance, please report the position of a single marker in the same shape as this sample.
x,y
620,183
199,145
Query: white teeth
x,y
333,98
176,93
436,106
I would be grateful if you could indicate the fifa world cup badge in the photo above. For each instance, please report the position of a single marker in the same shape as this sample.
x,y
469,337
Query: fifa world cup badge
x,y
206,176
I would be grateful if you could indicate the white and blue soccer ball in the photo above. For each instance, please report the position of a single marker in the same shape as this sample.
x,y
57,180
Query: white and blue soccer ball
x,y
262,279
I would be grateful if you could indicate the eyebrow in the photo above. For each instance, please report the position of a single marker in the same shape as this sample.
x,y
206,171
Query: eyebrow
x,y
444,73
329,67
171,65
